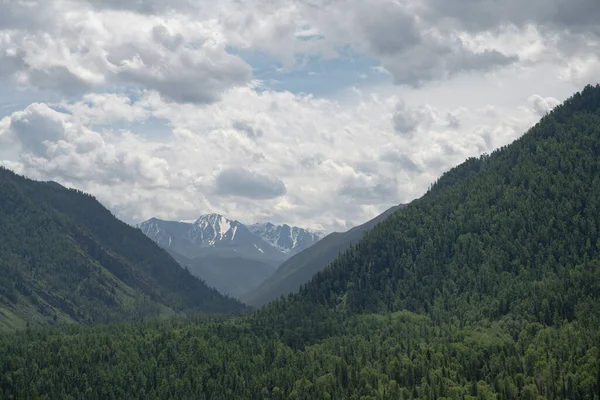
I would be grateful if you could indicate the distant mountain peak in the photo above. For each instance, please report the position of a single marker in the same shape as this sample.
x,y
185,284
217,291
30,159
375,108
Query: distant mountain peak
x,y
287,239
215,230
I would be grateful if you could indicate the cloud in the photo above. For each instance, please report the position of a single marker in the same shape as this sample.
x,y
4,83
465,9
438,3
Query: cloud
x,y
153,107
72,49
106,108
320,163
414,46
6,135
143,7
542,105
365,190
243,183
54,144
578,15
401,161
405,120
36,127
187,50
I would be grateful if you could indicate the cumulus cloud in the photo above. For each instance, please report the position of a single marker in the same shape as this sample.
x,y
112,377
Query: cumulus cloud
x,y
405,120
316,162
36,127
183,49
55,144
365,190
243,183
66,47
229,144
542,105
106,108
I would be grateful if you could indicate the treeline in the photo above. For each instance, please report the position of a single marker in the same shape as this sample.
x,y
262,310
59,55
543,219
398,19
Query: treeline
x,y
393,356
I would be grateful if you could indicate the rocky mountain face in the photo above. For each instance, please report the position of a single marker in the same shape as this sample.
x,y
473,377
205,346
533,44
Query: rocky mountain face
x,y
209,235
226,254
287,239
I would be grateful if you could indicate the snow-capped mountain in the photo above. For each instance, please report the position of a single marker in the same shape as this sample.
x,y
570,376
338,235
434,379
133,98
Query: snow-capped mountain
x,y
288,239
211,234
225,253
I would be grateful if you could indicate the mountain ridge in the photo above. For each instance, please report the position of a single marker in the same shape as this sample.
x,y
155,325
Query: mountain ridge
x,y
300,268
65,258
287,239
228,255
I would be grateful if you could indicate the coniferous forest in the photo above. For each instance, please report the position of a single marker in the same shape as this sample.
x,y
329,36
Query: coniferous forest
x,y
488,287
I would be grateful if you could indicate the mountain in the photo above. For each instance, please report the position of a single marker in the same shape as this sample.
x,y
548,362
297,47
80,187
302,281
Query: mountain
x,y
299,269
287,239
232,276
227,254
66,258
211,235
487,287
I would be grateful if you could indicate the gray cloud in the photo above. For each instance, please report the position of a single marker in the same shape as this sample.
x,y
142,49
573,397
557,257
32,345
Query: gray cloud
x,y
193,80
363,193
58,78
29,15
243,183
574,15
36,125
390,29
405,120
436,61
143,6
414,44
401,160
243,126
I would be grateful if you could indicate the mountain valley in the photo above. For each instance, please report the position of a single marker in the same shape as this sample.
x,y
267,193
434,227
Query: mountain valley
x,y
486,287
226,254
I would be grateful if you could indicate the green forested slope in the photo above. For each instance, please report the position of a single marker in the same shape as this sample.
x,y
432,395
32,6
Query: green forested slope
x,y
486,288
299,269
65,258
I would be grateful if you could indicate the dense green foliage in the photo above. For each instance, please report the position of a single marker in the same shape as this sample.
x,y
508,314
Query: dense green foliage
x,y
299,269
486,288
64,257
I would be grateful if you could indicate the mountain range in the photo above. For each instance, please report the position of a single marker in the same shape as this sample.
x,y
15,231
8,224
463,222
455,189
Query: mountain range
x,y
64,258
226,254
487,287
287,239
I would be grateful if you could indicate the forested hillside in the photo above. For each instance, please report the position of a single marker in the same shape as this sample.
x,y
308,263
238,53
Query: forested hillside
x,y
299,269
488,287
66,258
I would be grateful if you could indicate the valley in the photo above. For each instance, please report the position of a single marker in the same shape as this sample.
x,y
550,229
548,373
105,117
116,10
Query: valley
x,y
486,287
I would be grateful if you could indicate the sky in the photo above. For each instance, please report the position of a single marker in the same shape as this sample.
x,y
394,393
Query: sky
x,y
316,113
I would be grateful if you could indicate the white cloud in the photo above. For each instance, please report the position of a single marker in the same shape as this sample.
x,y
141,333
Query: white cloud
x,y
77,49
541,106
181,48
316,162
472,76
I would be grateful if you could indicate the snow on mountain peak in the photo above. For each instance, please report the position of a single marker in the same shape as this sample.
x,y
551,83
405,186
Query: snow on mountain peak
x,y
288,239
215,230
